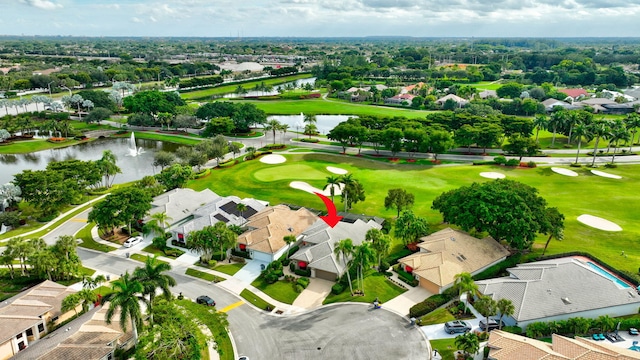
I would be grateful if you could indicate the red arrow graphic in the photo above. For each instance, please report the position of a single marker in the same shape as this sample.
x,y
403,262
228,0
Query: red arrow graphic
x,y
332,217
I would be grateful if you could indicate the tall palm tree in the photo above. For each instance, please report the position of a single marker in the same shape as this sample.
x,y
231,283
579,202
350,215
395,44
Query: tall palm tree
x,y
151,277
311,121
289,239
486,306
87,297
333,182
380,242
19,248
364,256
618,134
108,167
347,180
581,131
283,129
92,283
465,285
599,129
344,250
125,298
553,225
71,302
540,122
159,221
468,342
241,209
505,308
273,126
557,120
633,122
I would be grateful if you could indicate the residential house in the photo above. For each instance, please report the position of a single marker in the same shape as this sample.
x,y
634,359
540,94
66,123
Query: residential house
x,y
506,346
615,95
595,103
179,204
621,109
551,103
264,239
88,337
460,102
575,94
400,99
223,209
485,94
561,288
317,244
448,252
28,316
412,89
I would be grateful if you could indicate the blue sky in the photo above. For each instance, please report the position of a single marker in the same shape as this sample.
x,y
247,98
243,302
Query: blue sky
x,y
321,18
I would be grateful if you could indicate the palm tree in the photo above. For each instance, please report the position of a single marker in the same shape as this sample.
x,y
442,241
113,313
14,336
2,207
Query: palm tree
x,y
599,129
19,248
581,131
241,209
92,283
283,129
619,133
158,222
108,167
606,323
151,277
553,225
289,239
505,308
363,255
486,306
272,125
465,285
468,342
125,298
311,121
347,181
344,249
540,122
87,297
379,242
71,302
557,119
333,182
633,122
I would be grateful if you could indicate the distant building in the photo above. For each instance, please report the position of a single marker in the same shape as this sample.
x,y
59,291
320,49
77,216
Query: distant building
x,y
400,99
460,102
575,94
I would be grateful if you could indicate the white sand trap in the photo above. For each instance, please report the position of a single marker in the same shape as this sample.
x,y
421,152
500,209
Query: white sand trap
x,y
604,174
492,175
301,185
273,159
336,170
599,223
565,172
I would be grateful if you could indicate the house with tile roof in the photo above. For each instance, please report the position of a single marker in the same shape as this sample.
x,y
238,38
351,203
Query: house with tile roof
x,y
317,244
223,208
457,99
28,316
88,337
595,103
264,239
448,252
400,99
506,346
560,289
179,204
575,94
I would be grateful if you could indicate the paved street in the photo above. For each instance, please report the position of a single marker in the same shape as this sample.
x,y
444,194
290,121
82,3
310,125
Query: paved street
x,y
332,332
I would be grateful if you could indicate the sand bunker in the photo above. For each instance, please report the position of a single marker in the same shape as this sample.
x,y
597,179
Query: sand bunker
x,y
565,172
599,223
273,159
604,174
492,175
301,185
336,170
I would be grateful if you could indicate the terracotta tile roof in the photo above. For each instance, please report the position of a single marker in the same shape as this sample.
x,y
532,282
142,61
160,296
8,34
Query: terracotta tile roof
x,y
271,225
574,93
448,252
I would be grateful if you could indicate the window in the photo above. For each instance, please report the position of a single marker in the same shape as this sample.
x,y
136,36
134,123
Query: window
x,y
30,332
21,346
19,336
40,327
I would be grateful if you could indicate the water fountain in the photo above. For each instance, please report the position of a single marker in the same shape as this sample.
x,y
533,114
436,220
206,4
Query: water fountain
x,y
133,149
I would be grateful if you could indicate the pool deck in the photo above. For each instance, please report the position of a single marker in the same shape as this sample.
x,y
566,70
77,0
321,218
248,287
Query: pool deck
x,y
587,260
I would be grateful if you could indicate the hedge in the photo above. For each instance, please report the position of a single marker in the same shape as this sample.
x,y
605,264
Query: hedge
x,y
392,259
499,268
406,277
301,272
431,303
337,288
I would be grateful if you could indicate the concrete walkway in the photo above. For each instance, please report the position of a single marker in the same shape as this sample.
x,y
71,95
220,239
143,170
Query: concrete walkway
x,y
313,296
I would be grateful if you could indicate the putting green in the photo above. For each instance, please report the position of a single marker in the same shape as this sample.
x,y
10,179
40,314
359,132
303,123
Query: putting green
x,y
289,172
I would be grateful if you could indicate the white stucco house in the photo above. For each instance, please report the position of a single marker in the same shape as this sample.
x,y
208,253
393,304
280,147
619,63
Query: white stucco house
x,y
562,288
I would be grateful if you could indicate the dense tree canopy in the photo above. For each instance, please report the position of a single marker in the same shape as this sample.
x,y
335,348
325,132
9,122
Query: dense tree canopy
x,y
505,209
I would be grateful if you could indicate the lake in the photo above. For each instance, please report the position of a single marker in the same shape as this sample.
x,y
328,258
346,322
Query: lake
x,y
325,122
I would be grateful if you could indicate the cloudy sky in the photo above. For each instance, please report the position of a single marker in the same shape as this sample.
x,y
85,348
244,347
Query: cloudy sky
x,y
321,18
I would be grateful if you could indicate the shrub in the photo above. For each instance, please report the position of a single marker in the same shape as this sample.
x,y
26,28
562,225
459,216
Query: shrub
x,y
159,242
292,267
384,266
513,329
270,278
310,140
484,162
10,218
303,281
406,277
337,289
301,272
392,259
531,164
500,160
298,288
512,162
47,218
575,165
212,263
286,262
240,253
428,305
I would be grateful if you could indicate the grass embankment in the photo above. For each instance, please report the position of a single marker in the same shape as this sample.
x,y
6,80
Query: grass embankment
x,y
255,300
178,139
206,94
573,196
281,290
203,275
143,258
376,285
438,316
229,269
87,240
445,347
28,146
219,332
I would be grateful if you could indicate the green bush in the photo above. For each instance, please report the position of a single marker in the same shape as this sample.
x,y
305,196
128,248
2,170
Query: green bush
x,y
10,218
384,266
160,243
512,162
406,277
484,162
292,267
298,288
500,160
431,303
499,268
303,281
392,259
337,288
531,164
301,272
212,263
513,329
270,278
310,140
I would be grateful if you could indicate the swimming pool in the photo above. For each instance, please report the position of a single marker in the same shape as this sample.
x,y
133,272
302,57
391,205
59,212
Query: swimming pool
x,y
608,275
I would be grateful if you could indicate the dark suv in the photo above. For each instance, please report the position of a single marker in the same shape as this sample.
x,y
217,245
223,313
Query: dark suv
x,y
457,326
205,300
493,324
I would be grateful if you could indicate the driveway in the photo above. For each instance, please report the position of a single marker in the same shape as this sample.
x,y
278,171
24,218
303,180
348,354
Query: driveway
x,y
435,332
313,296
250,271
403,302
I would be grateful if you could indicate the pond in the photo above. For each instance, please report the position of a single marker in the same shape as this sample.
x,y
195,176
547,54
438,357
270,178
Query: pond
x,y
253,93
325,122
133,167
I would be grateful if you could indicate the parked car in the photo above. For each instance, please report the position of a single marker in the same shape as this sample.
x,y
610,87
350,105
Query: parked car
x,y
205,300
633,331
243,357
493,324
132,241
457,326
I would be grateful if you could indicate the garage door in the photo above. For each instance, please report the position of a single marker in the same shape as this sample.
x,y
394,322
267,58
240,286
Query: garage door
x,y
433,288
260,256
325,275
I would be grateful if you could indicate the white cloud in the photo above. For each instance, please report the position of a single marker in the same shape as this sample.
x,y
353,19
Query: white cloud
x,y
136,20
42,4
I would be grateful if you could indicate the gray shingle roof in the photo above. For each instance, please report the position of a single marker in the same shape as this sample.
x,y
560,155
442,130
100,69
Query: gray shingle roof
x,y
556,287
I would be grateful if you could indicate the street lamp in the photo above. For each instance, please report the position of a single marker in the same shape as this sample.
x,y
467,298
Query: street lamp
x,y
66,88
49,86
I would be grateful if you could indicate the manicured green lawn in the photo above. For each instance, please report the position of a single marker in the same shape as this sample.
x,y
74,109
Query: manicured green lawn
x,y
445,347
228,89
376,285
229,269
219,332
143,258
438,316
614,200
87,240
255,300
27,146
203,275
281,290
329,107
155,251
178,139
